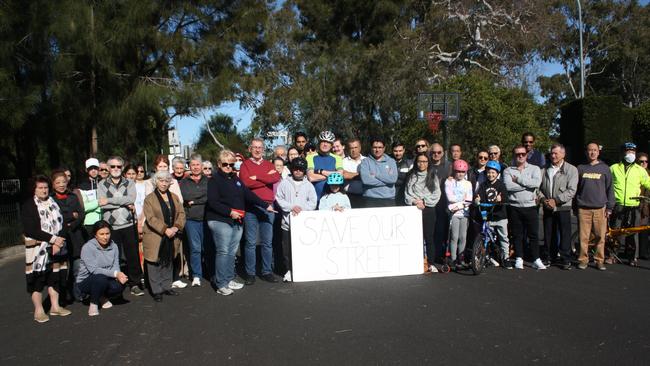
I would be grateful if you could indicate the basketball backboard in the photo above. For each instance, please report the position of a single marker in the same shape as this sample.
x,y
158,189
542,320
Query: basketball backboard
x,y
447,104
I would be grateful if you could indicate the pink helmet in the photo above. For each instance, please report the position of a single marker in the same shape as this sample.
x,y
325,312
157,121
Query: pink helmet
x,y
460,165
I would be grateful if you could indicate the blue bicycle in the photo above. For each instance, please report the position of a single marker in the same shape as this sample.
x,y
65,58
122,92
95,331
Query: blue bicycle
x,y
485,246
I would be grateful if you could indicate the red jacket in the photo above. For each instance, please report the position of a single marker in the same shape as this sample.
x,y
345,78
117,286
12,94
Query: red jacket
x,y
263,185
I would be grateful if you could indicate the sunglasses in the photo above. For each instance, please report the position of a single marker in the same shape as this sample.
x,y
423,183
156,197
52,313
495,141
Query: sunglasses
x,y
436,152
528,142
520,154
482,158
140,171
643,162
211,168
115,166
493,153
419,146
226,165
103,170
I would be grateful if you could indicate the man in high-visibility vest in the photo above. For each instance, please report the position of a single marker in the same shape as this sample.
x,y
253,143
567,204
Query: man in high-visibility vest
x,y
628,178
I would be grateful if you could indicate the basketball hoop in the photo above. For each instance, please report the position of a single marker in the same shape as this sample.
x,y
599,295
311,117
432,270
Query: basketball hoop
x,y
434,119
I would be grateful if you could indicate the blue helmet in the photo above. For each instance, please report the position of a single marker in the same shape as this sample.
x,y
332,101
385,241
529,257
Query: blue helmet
x,y
335,178
493,165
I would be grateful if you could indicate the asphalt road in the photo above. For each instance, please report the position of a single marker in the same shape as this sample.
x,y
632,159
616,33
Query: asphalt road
x,y
500,317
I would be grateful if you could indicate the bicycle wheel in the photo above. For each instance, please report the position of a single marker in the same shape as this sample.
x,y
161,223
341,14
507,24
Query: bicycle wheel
x,y
478,255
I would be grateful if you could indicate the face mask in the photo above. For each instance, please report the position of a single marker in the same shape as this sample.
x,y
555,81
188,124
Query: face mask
x,y
629,158
237,165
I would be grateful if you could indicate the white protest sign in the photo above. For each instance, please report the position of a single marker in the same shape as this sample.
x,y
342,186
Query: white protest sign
x,y
357,243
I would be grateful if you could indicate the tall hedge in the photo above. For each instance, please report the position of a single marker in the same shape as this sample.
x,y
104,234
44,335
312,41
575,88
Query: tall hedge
x,y
604,119
641,127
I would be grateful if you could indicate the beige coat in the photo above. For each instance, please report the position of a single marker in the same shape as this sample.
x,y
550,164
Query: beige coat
x,y
154,227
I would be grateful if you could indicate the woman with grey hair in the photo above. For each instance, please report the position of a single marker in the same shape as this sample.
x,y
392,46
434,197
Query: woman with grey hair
x,y
207,168
165,219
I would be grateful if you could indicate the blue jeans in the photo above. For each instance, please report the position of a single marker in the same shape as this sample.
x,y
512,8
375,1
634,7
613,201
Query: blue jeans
x,y
97,285
226,241
194,232
258,220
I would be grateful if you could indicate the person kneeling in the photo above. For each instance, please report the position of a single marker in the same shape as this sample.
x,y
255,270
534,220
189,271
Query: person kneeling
x,y
99,269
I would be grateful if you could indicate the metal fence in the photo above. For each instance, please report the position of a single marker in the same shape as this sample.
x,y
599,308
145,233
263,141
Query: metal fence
x,y
10,225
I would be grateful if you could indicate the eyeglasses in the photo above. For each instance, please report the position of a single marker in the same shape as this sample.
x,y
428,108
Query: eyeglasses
x,y
211,168
482,157
419,146
115,166
520,154
422,161
227,165
436,152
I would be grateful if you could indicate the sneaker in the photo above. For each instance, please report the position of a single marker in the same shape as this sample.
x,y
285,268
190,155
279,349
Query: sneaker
x,y
519,263
566,266
136,291
269,277
107,304
179,284
41,318
249,280
196,282
582,266
287,277
93,310
537,264
433,268
494,262
506,263
601,266
235,285
60,312
225,291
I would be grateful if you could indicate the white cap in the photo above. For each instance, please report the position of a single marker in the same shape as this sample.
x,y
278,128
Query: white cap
x,y
92,162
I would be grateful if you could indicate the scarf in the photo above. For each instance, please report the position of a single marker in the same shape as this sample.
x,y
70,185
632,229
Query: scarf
x,y
166,249
50,215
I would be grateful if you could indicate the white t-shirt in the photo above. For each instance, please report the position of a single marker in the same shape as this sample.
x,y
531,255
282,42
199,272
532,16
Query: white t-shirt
x,y
352,166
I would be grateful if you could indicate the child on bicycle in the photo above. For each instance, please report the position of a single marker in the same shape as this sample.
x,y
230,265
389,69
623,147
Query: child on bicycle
x,y
459,195
334,197
494,191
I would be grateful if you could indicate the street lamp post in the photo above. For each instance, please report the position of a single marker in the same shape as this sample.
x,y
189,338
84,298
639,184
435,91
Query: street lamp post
x,y
582,60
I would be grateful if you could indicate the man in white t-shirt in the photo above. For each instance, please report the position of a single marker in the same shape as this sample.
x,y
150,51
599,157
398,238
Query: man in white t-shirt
x,y
353,187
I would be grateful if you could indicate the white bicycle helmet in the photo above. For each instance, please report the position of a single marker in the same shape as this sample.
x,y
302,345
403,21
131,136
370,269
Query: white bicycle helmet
x,y
327,136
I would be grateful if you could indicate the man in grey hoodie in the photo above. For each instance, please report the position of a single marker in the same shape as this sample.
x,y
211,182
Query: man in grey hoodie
x,y
521,182
295,194
378,174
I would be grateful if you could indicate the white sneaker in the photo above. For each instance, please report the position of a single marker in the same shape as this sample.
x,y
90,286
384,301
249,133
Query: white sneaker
x,y
235,285
519,263
433,268
179,284
225,291
287,277
107,305
494,262
537,264
196,282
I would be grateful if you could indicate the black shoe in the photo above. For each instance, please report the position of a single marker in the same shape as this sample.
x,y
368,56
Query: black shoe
x,y
507,264
249,280
157,297
566,266
171,293
269,277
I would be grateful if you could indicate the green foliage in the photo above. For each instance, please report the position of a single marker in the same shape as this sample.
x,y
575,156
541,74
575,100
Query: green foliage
x,y
641,127
603,119
223,128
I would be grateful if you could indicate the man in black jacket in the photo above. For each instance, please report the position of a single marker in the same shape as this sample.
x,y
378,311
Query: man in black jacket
x,y
403,166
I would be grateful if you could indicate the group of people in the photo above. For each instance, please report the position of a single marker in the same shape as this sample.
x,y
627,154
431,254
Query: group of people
x,y
119,229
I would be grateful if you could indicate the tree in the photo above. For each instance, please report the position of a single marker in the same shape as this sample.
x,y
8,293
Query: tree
x,y
223,128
